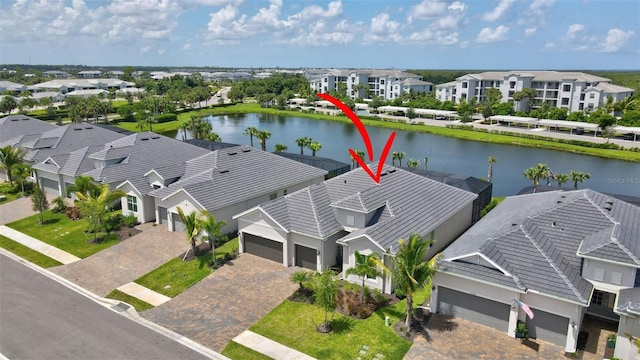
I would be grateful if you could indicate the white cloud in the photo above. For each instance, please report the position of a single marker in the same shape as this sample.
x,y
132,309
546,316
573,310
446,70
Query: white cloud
x,y
574,31
145,49
537,13
161,52
498,11
428,9
186,47
539,7
488,35
530,32
382,29
615,40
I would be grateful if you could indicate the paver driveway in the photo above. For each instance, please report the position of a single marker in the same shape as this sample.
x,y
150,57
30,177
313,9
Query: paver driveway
x,y
124,262
451,338
227,302
19,208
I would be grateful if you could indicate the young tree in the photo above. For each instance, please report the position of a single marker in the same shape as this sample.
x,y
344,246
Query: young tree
x,y
8,104
492,160
465,111
192,228
212,228
577,176
325,290
94,206
40,203
411,113
262,136
300,277
413,163
410,271
85,185
315,147
365,267
21,173
9,157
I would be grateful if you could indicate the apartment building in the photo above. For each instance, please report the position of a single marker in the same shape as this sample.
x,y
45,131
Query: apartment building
x,y
388,84
574,91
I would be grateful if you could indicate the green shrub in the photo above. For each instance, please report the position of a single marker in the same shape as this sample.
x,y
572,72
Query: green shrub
x,y
489,207
59,205
163,118
6,188
113,222
129,220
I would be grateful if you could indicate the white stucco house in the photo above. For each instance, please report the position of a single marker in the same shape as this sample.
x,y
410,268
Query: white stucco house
x,y
323,225
563,254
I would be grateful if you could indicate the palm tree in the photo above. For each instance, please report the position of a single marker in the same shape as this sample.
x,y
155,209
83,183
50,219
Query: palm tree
x,y
84,185
365,267
394,156
492,160
280,148
426,159
212,228
21,172
184,127
192,227
262,136
360,154
300,278
536,173
400,155
303,142
315,146
10,156
410,271
251,132
577,176
94,206
561,179
530,174
413,163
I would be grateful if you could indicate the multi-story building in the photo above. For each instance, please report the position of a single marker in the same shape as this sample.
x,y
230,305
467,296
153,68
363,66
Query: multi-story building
x,y
388,84
574,91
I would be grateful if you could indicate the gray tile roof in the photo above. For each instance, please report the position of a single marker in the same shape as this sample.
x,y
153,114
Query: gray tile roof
x,y
403,203
547,232
629,301
231,175
13,126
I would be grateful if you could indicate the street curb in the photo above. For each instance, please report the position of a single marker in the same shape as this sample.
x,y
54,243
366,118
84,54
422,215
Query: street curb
x,y
130,313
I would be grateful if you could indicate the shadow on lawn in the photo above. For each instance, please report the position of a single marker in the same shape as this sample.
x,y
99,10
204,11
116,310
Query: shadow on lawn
x,y
50,221
342,325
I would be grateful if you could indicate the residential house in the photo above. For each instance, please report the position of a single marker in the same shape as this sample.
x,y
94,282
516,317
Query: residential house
x,y
89,74
56,74
68,85
628,307
224,182
574,91
323,225
10,86
15,129
564,254
369,82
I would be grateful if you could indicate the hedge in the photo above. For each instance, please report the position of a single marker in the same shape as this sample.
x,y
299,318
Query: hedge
x,y
163,118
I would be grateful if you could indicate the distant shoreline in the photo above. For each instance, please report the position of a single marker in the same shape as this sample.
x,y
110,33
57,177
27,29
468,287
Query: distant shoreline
x,y
539,142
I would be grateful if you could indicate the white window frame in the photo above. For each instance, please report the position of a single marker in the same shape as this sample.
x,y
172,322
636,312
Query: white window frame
x,y
132,203
616,277
598,274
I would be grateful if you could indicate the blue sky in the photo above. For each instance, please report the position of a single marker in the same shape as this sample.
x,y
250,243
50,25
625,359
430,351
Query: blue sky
x,y
471,34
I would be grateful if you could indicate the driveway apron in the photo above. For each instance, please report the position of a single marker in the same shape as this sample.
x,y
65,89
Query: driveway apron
x,y
17,209
124,262
227,302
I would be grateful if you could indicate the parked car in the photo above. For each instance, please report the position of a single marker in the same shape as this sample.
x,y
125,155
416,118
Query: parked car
x,y
580,131
441,117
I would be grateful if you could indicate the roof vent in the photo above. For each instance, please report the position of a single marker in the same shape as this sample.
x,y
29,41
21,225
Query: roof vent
x,y
223,171
514,224
89,127
233,153
15,119
246,150
553,224
144,139
391,171
155,137
77,129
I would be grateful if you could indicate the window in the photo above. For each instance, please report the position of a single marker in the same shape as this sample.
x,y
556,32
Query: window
x,y
599,298
581,97
566,87
273,196
512,84
381,81
132,203
592,96
464,85
284,192
351,221
616,278
565,101
598,274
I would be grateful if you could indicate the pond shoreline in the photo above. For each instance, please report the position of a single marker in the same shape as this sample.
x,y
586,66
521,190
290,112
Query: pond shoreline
x,y
536,141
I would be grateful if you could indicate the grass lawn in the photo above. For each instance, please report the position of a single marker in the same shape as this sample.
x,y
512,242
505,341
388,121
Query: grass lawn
x,y
65,234
292,324
181,275
236,351
27,253
436,130
138,304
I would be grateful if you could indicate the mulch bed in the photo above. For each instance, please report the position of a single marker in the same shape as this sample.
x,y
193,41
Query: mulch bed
x,y
203,248
123,233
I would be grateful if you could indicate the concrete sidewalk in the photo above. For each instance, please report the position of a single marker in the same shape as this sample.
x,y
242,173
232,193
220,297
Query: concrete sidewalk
x,y
39,246
269,347
145,294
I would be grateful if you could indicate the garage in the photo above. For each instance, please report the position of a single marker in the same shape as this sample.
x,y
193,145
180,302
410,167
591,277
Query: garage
x,y
473,308
306,257
263,247
548,327
162,215
50,186
178,225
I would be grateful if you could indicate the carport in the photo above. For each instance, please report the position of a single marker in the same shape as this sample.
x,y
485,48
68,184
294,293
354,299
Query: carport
x,y
473,308
570,125
627,130
514,119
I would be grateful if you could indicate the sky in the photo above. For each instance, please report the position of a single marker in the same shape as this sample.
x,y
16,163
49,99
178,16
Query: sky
x,y
401,34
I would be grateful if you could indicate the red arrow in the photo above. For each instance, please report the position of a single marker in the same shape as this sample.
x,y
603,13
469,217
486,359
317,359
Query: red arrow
x,y
365,137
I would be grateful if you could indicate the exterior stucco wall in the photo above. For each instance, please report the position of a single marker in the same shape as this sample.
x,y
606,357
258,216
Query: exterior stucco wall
x,y
589,269
361,245
624,348
449,230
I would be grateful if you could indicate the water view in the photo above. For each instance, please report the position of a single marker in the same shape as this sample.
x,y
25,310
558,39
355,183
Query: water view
x,y
444,153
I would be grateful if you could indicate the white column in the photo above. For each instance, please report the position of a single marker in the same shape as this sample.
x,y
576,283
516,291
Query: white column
x,y
513,318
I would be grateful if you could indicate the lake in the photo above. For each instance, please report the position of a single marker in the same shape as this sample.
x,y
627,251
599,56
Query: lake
x,y
444,153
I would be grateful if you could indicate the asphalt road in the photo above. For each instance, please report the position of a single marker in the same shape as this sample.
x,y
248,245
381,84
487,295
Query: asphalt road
x,y
42,319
